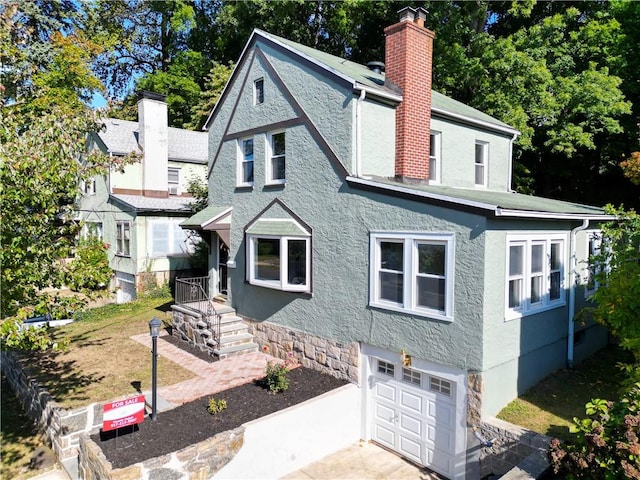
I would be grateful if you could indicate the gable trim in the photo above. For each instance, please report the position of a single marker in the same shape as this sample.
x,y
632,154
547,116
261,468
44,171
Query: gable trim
x,y
233,110
263,128
305,226
315,133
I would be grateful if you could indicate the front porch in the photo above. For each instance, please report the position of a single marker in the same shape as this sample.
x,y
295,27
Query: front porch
x,y
206,322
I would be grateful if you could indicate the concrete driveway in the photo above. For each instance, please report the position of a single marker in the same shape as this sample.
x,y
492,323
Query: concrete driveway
x,y
363,461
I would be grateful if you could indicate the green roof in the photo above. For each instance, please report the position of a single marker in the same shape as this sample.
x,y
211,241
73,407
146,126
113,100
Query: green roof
x,y
203,216
516,203
363,75
276,227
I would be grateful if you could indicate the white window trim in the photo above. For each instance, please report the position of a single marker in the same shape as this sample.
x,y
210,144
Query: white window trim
x,y
92,229
527,240
596,236
485,163
88,187
241,161
282,283
255,91
410,241
269,180
122,224
437,158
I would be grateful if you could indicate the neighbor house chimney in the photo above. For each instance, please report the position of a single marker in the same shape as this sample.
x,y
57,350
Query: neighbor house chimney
x,y
408,64
153,137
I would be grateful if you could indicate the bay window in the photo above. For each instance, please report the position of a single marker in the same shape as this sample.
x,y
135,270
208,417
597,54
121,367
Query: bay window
x,y
413,273
280,262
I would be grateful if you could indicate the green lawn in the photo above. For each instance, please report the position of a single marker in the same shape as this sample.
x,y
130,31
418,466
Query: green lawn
x,y
550,406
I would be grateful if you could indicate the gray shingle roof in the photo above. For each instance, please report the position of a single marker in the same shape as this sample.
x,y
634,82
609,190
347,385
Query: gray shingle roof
x,y
150,204
121,137
362,75
494,202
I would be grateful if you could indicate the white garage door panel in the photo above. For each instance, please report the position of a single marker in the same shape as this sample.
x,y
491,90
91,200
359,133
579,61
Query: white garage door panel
x,y
385,413
385,436
411,425
411,448
440,439
442,414
416,422
411,401
386,391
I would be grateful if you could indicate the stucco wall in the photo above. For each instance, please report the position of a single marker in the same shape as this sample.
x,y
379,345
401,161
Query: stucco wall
x,y
378,128
458,155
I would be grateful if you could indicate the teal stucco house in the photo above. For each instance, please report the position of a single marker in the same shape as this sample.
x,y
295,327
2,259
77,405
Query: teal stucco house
x,y
372,230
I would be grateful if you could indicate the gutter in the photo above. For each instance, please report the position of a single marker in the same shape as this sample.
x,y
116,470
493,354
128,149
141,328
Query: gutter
x,y
475,121
510,153
573,265
489,209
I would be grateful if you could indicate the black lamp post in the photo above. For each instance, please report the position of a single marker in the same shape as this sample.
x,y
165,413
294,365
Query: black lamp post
x,y
154,330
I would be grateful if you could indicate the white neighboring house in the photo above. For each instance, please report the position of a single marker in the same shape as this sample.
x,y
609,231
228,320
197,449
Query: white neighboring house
x,y
137,209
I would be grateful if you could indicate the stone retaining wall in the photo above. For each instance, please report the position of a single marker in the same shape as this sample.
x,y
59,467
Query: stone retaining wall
x,y
60,428
317,353
185,324
198,461
516,453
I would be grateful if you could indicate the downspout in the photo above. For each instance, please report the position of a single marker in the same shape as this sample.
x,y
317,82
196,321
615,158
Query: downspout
x,y
573,261
359,134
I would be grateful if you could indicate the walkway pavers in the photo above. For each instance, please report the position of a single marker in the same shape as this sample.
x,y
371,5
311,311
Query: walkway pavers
x,y
212,377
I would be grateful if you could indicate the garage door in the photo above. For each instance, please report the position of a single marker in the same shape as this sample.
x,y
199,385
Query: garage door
x,y
414,414
126,287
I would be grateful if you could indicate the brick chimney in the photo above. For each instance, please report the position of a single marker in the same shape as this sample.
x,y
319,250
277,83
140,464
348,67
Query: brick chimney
x,y
153,137
408,65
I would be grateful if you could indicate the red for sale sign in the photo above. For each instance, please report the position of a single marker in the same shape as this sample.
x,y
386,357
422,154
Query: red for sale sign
x,y
122,413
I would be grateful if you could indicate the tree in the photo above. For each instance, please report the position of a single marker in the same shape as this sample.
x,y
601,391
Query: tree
x,y
43,126
139,38
618,296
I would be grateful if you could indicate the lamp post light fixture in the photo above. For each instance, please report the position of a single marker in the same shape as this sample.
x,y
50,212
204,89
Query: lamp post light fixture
x,y
154,331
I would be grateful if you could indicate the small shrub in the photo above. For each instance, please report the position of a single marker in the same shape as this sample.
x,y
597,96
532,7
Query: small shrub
x,y
606,443
276,374
216,406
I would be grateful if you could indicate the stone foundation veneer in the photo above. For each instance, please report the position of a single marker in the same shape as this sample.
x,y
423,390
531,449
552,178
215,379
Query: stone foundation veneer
x,y
198,461
317,353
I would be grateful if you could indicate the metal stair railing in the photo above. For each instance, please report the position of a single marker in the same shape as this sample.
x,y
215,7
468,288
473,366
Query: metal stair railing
x,y
190,293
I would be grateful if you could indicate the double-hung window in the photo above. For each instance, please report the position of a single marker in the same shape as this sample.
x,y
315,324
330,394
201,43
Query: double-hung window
x,y
92,230
481,163
413,272
123,238
535,273
245,162
88,187
276,155
596,264
280,261
434,157
166,238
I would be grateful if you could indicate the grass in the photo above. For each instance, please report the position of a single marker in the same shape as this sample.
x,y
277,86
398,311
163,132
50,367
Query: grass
x,y
551,405
102,361
18,438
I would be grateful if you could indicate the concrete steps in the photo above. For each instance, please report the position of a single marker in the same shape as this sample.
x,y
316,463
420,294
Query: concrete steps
x,y
235,338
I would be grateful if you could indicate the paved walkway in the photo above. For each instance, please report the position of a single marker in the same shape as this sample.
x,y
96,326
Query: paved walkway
x,y
363,461
212,377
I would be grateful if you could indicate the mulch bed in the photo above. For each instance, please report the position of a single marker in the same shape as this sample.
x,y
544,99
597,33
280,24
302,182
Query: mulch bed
x,y
190,423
